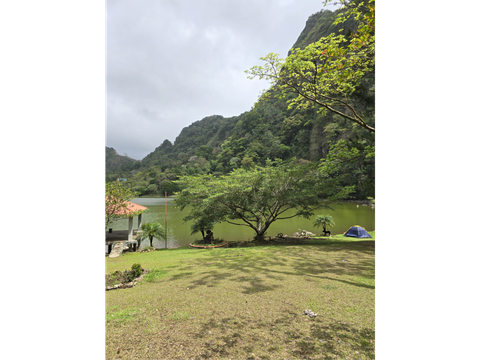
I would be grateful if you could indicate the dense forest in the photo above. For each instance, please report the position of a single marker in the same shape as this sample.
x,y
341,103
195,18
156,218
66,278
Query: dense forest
x,y
270,130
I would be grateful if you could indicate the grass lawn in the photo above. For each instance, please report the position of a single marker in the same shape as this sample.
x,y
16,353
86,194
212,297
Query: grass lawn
x,y
247,303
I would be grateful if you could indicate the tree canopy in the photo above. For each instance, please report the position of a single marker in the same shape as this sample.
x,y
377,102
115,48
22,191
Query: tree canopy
x,y
258,197
328,72
117,197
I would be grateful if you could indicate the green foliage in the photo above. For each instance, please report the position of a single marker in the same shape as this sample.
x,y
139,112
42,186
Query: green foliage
x,y
151,230
140,189
204,151
324,221
201,242
291,126
116,201
328,72
202,223
318,25
282,125
129,275
152,188
251,121
118,166
258,197
247,162
122,277
352,162
137,270
170,188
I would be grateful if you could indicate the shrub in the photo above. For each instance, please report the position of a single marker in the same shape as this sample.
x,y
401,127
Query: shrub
x,y
136,270
128,276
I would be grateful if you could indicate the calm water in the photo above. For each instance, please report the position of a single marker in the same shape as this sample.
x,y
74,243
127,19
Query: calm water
x,y
344,215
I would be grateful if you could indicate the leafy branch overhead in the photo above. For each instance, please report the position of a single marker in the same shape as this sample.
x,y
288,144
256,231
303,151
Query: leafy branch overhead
x,y
328,72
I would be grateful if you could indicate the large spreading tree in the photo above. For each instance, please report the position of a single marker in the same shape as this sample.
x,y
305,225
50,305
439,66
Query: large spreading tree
x,y
256,198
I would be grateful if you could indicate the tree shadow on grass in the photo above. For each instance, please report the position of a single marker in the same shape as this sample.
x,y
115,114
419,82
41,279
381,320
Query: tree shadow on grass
x,y
209,278
252,283
257,285
179,276
310,266
342,339
328,339
222,345
297,262
320,262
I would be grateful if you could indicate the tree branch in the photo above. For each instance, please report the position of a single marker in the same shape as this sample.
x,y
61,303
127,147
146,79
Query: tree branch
x,y
357,119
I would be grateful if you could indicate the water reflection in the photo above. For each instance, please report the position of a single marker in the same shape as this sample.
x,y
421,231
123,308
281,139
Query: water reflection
x,y
178,232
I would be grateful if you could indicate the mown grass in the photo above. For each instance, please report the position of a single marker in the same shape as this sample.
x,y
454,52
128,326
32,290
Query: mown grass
x,y
247,303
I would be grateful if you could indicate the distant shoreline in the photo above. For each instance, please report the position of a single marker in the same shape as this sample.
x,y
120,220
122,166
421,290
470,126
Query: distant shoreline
x,y
156,196
174,196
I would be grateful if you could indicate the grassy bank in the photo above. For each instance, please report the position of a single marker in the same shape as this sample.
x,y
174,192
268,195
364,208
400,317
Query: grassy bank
x,y
246,302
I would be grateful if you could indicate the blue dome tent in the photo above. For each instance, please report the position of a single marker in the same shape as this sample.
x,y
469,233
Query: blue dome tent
x,y
357,232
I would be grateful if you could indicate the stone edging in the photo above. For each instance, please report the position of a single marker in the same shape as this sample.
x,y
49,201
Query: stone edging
x,y
126,285
207,247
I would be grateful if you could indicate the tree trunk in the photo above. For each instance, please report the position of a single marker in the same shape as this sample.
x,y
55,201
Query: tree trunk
x,y
260,234
151,241
259,229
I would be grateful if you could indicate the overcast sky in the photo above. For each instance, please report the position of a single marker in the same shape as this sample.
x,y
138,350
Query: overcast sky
x,y
173,62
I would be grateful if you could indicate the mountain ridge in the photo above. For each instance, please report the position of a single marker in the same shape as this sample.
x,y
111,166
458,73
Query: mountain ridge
x,y
218,145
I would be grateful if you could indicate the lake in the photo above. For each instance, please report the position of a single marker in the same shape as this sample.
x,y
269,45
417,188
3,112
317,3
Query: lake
x,y
345,214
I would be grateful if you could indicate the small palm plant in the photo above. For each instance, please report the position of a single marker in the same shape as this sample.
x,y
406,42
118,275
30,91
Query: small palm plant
x,y
202,224
151,230
324,221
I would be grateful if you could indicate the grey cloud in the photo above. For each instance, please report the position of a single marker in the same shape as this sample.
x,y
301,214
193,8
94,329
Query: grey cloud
x,y
170,63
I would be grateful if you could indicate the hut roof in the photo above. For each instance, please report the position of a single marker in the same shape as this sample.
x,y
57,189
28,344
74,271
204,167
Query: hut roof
x,y
131,208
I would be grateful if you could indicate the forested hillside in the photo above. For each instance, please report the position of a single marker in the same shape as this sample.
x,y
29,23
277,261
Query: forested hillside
x,y
270,130
116,165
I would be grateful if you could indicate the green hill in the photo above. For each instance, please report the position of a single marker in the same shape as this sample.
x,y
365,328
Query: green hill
x,y
270,130
117,165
